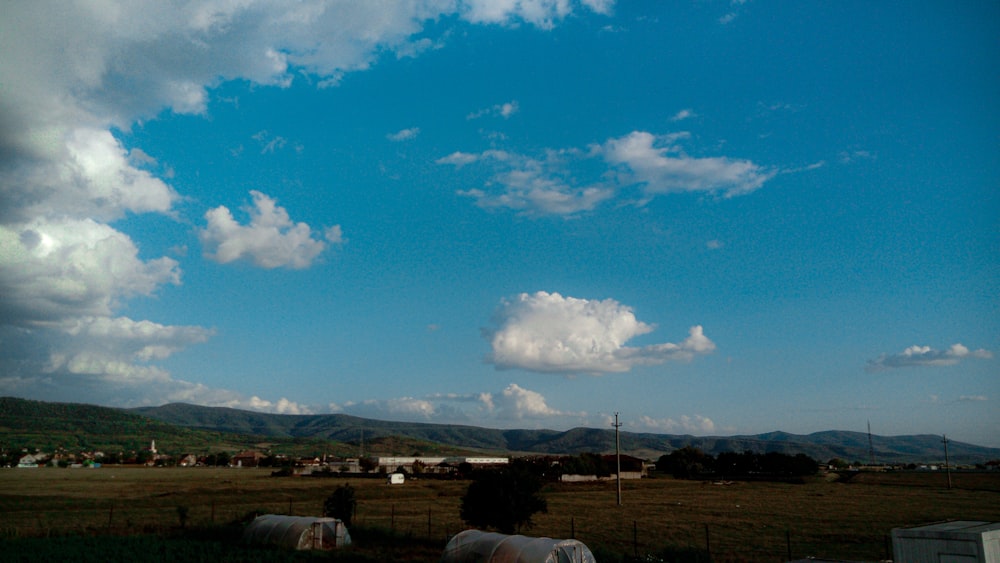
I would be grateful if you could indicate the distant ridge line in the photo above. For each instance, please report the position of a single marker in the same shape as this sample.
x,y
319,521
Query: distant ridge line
x,y
28,417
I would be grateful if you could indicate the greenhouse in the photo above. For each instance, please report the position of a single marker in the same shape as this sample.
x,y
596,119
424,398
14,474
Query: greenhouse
x,y
475,546
297,532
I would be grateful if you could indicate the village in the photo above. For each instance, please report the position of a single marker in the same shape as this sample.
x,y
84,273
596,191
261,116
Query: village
x,y
587,467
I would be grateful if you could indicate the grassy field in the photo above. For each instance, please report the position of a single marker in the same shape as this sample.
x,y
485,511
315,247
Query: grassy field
x,y
738,522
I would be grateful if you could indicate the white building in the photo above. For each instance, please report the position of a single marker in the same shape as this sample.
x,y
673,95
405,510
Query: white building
x,y
390,464
961,541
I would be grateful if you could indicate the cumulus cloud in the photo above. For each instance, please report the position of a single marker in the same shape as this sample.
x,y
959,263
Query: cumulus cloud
x,y
57,269
270,240
546,332
405,408
917,356
516,403
541,13
688,424
75,76
556,182
510,405
281,406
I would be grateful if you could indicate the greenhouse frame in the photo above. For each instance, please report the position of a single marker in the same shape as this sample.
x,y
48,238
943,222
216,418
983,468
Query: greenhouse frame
x,y
476,546
297,532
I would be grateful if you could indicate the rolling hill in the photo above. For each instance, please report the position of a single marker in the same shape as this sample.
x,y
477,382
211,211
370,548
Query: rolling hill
x,y
190,428
846,445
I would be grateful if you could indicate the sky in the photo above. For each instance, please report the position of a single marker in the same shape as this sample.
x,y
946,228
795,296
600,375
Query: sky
x,y
715,217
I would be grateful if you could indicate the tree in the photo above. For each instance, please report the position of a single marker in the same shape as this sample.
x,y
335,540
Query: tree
x,y
464,470
367,464
686,463
341,504
503,498
585,464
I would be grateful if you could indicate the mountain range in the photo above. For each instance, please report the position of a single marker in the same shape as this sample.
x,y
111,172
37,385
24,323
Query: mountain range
x,y
198,428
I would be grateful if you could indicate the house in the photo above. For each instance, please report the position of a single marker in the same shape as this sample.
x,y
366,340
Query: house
x,y
248,458
189,460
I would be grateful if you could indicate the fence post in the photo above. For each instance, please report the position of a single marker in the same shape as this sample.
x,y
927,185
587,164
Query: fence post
x,y
572,528
428,522
708,544
635,539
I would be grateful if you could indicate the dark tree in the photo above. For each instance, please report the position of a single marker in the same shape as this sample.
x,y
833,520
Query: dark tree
x,y
686,463
802,465
367,464
586,464
504,498
341,504
215,460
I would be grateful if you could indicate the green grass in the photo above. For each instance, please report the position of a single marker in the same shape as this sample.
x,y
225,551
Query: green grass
x,y
739,522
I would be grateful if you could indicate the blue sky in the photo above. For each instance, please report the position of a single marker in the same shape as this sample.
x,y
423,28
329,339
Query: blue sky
x,y
713,217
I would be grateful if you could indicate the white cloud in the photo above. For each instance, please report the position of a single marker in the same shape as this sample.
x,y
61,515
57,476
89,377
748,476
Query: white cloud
x,y
530,186
271,240
76,172
683,114
52,270
517,402
660,166
139,340
405,408
504,110
916,356
458,159
73,75
546,332
973,398
512,405
552,184
116,349
847,157
404,134
693,424
281,406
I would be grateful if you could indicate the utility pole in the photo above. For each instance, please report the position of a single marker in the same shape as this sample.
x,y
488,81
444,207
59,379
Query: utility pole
x,y
871,448
618,458
947,465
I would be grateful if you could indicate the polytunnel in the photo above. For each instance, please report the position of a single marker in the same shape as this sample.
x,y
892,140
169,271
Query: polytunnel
x,y
475,546
297,532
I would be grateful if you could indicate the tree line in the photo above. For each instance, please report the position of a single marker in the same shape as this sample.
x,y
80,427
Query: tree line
x,y
692,463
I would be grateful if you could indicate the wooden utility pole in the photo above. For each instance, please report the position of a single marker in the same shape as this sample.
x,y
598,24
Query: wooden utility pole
x,y
618,459
947,465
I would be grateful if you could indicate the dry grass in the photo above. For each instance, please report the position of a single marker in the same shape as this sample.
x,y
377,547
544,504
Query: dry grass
x,y
739,522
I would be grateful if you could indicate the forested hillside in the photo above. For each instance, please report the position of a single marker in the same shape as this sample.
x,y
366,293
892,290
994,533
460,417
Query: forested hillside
x,y
191,428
